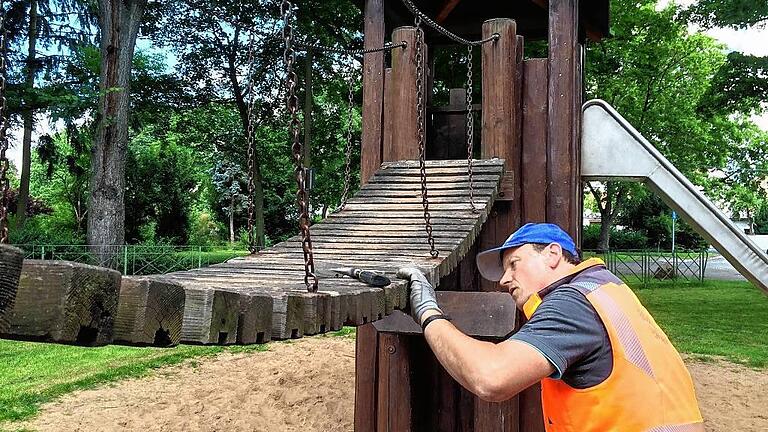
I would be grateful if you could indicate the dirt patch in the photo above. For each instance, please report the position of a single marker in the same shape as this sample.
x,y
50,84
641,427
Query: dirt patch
x,y
308,385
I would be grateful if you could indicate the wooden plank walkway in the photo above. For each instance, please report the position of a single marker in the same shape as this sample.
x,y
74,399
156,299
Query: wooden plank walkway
x,y
381,229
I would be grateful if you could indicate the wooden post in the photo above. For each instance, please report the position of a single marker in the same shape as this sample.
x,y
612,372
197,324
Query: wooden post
x,y
500,132
366,368
373,90
403,84
388,111
534,166
394,393
563,145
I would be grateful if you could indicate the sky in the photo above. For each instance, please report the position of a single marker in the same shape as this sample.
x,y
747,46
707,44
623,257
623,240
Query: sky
x,y
753,41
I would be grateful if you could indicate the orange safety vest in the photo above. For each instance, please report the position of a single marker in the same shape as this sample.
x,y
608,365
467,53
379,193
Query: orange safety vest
x,y
649,388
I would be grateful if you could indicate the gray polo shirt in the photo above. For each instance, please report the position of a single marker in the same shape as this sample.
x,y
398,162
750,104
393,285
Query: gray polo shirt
x,y
567,330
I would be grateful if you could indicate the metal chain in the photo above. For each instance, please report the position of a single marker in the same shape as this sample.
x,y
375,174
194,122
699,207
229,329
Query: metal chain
x,y
442,30
4,163
470,130
348,150
297,147
317,47
251,150
420,134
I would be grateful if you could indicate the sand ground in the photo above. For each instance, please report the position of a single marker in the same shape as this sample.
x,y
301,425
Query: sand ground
x,y
308,385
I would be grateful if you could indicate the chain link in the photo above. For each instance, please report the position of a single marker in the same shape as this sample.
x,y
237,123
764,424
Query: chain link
x,y
470,130
292,102
348,150
442,30
317,47
252,247
420,134
4,163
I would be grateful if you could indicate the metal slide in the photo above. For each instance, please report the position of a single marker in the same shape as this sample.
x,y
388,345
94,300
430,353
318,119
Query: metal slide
x,y
614,150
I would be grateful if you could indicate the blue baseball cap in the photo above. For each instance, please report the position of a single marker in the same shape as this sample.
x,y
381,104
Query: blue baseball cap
x,y
489,262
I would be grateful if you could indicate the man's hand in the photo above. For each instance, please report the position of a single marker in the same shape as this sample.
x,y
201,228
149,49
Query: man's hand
x,y
422,294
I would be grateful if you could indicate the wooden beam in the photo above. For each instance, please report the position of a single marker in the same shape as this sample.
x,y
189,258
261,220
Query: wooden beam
x,y
403,97
564,112
448,7
373,90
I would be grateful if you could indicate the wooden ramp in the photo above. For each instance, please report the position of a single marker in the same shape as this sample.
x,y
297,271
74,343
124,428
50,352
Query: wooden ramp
x,y
381,229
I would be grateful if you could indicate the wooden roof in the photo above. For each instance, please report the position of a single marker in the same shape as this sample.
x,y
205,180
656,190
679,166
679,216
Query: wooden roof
x,y
465,17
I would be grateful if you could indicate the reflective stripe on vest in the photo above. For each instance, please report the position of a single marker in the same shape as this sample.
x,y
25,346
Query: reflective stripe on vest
x,y
649,388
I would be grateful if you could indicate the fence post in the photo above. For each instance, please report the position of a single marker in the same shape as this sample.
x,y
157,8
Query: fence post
x,y
199,256
125,260
42,252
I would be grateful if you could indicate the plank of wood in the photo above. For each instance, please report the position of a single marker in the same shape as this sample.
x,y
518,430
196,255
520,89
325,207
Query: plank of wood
x,y
388,115
414,164
10,271
150,311
373,90
394,384
366,368
477,314
439,170
67,302
534,145
352,220
564,110
497,416
433,179
531,416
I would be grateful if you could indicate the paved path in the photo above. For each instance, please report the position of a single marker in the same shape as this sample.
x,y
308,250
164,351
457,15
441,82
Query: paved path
x,y
719,268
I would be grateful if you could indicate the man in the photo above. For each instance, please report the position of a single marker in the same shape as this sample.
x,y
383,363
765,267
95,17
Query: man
x,y
603,362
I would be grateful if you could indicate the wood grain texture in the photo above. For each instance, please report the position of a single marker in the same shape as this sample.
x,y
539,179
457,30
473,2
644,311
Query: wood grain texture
x,y
534,143
403,93
373,90
564,110
10,270
61,301
366,374
150,311
379,236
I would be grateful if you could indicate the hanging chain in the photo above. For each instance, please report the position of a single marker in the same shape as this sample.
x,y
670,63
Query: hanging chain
x,y
442,30
420,134
348,150
252,247
349,51
470,130
4,163
297,148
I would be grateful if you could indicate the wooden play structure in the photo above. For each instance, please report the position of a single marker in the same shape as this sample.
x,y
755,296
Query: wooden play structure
x,y
530,113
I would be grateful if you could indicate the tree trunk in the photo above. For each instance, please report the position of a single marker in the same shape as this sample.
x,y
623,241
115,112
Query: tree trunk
x,y
604,241
242,109
28,115
232,220
119,21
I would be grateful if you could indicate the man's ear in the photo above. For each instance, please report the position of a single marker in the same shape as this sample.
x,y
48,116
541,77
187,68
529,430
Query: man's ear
x,y
554,254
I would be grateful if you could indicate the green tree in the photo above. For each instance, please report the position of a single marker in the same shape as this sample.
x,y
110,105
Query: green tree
x,y
659,76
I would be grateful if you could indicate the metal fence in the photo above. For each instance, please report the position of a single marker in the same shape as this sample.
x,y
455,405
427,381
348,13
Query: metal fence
x,y
135,259
647,265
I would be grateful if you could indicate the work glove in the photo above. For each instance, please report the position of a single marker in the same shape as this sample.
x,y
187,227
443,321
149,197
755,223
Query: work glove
x,y
422,294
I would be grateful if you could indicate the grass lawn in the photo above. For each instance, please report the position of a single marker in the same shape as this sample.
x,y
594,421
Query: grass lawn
x,y
716,318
